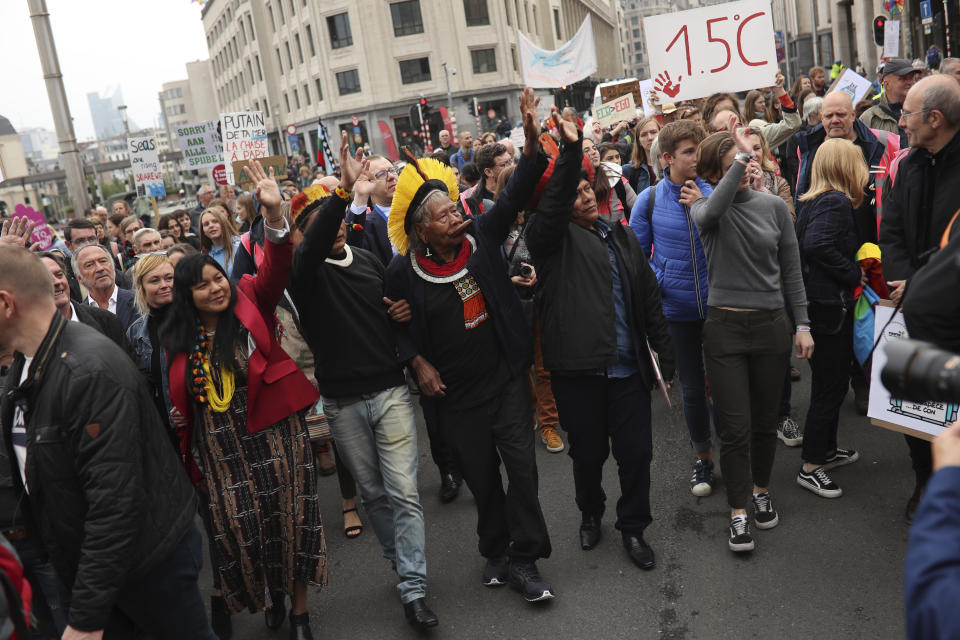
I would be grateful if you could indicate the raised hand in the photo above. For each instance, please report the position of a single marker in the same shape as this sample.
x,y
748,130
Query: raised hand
x,y
568,131
739,135
16,231
528,112
267,192
777,87
666,85
350,167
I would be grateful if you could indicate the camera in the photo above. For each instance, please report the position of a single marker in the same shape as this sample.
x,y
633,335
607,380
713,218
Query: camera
x,y
526,271
920,372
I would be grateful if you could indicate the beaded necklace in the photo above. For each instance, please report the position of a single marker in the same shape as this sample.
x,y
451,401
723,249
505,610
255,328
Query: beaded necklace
x,y
204,388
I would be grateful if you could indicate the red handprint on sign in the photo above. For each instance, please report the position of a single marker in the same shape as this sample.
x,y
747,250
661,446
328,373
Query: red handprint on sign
x,y
666,85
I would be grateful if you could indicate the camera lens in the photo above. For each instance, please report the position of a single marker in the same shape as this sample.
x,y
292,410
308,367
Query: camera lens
x,y
526,270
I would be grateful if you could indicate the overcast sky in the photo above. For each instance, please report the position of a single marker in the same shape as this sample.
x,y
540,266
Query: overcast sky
x,y
136,44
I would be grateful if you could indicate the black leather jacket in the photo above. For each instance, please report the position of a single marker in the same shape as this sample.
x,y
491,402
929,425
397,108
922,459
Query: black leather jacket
x,y
108,498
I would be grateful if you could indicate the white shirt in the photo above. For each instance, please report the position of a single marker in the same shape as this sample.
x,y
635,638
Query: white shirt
x,y
18,432
111,304
73,313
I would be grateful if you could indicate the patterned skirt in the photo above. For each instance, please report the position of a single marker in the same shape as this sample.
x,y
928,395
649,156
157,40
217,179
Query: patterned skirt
x,y
263,505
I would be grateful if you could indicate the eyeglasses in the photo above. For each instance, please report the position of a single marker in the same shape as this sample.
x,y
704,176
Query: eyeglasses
x,y
381,175
907,114
505,164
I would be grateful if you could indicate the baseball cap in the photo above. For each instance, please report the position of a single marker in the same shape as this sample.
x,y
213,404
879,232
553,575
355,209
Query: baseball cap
x,y
899,67
668,107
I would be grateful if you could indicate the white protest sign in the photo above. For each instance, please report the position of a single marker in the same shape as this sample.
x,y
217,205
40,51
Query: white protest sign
x,y
853,84
891,39
722,48
646,86
145,162
518,137
575,60
610,113
925,417
244,138
200,144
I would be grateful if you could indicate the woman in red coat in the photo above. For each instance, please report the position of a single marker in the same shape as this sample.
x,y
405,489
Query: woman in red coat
x,y
239,404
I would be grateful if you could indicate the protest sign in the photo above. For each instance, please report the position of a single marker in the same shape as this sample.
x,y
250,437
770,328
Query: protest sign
x,y
244,137
891,39
646,87
853,84
921,419
242,178
721,48
41,231
145,163
610,113
518,137
575,60
613,90
200,144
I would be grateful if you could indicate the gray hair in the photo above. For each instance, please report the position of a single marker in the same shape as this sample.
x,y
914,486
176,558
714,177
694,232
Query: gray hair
x,y
74,261
812,105
139,235
945,98
947,64
205,189
654,158
421,215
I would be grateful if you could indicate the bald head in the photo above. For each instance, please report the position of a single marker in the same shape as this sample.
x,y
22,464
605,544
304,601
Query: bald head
x,y
24,276
330,182
931,112
838,115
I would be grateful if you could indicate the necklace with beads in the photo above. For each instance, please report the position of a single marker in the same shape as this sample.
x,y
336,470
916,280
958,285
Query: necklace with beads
x,y
204,387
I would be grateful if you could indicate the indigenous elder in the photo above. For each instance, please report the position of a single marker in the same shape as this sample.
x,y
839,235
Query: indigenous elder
x,y
470,347
338,290
91,464
599,303
239,400
751,248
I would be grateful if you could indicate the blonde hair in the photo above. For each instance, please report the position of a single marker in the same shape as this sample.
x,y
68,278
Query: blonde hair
x,y
144,265
838,166
228,230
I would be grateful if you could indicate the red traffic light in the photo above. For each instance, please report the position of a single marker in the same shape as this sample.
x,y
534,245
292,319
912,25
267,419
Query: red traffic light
x,y
423,102
879,26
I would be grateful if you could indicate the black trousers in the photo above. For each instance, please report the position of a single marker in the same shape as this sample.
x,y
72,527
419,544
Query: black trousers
x,y
508,523
921,458
830,380
440,450
599,412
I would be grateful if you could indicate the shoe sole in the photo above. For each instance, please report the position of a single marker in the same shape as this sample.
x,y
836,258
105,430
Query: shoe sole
x,y
741,547
495,582
701,490
823,493
790,442
766,525
556,449
843,462
546,595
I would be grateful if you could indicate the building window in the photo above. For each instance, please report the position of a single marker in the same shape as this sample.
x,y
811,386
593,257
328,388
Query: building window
x,y
266,109
293,9
273,23
253,35
286,46
634,21
556,23
306,94
406,18
339,26
279,60
636,33
286,100
250,72
319,90
313,50
299,49
476,12
296,98
506,11
413,71
484,60
536,23
348,82
513,55
638,58
283,18
259,69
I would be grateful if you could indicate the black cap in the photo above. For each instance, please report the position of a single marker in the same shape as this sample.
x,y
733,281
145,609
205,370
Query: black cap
x,y
899,67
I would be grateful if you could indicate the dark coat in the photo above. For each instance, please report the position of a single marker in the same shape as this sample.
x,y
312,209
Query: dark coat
x,y
576,304
126,310
828,246
487,266
375,239
105,322
108,498
243,262
923,198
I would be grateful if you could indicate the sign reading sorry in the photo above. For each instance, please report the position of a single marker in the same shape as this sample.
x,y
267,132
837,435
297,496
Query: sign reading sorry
x,y
244,138
145,163
200,144
722,48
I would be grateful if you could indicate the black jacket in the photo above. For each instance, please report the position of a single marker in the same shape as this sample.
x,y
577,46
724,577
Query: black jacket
x,y
931,305
923,198
828,249
576,304
487,266
243,262
105,322
375,239
109,499
126,310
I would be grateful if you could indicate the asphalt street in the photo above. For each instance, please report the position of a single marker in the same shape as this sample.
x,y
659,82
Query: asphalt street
x,y
831,569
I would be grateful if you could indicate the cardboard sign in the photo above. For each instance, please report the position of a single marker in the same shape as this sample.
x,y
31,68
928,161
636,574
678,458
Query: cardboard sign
x,y
891,39
610,113
721,48
200,144
614,90
145,162
279,164
41,231
244,137
853,84
921,419
646,87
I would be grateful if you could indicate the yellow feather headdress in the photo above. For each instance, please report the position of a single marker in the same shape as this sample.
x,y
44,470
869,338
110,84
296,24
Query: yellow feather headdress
x,y
417,180
307,201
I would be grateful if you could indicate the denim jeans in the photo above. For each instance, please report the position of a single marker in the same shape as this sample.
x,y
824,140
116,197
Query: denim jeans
x,y
48,591
688,341
377,438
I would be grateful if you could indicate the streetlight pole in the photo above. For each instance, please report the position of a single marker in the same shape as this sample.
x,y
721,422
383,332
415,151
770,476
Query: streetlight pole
x,y
123,116
72,162
453,115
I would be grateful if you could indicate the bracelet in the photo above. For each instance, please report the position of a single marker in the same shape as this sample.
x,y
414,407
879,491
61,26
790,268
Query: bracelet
x,y
803,328
343,194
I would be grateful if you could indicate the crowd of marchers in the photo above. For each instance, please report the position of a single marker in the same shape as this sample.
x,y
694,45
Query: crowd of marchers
x,y
217,363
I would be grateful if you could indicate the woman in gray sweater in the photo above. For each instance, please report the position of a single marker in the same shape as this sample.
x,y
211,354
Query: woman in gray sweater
x,y
751,249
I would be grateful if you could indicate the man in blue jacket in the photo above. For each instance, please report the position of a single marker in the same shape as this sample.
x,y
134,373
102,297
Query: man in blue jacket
x,y
661,221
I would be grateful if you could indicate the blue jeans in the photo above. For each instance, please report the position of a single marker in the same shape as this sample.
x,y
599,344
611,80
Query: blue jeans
x,y
377,438
48,591
688,342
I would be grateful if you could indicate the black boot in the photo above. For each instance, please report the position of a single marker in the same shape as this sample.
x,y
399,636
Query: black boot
x,y
220,618
274,615
449,488
300,626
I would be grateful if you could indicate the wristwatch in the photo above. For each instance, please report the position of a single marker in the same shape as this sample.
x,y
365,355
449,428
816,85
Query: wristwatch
x,y
743,157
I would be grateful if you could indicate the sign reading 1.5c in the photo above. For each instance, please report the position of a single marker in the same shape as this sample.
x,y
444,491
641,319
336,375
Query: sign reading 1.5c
x,y
726,47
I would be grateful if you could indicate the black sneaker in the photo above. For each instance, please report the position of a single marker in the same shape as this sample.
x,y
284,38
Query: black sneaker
x,y
701,483
789,432
740,538
496,572
819,482
841,457
525,578
764,515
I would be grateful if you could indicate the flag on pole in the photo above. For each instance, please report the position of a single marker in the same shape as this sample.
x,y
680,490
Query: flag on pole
x,y
325,156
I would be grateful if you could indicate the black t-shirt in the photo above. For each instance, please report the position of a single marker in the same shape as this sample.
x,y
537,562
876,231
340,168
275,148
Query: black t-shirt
x,y
865,216
468,359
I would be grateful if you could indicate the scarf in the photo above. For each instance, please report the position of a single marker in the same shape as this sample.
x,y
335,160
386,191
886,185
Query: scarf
x,y
455,271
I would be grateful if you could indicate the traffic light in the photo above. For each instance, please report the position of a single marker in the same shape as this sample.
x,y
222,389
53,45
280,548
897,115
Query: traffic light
x,y
479,109
424,107
879,25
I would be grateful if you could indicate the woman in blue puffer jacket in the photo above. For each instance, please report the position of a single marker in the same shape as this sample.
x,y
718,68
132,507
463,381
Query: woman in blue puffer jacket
x,y
669,238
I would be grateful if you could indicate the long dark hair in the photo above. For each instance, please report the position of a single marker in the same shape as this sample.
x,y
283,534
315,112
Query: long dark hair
x,y
179,331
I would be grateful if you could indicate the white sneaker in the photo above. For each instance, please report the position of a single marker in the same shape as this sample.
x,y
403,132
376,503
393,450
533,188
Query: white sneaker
x,y
789,432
